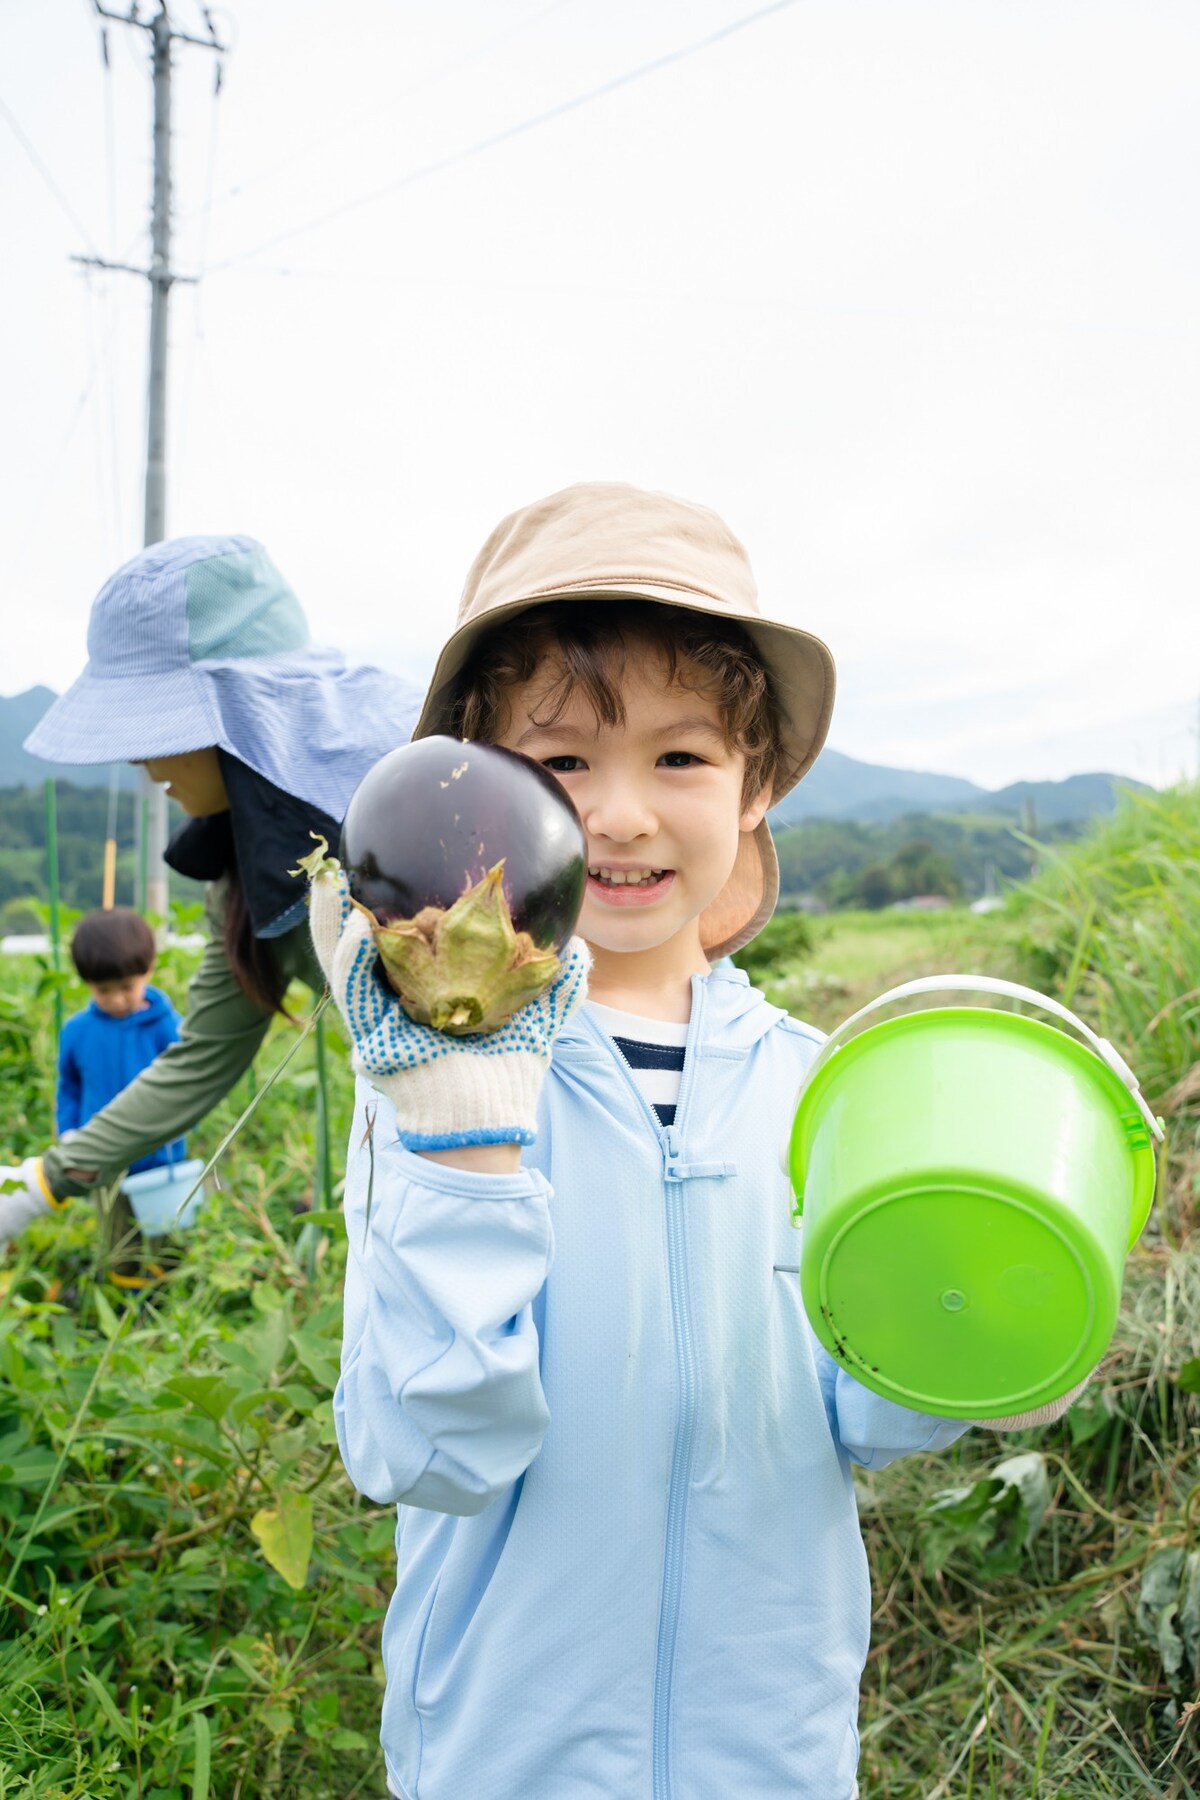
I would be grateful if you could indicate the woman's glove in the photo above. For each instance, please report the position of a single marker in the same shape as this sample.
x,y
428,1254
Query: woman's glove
x,y
24,1195
448,1092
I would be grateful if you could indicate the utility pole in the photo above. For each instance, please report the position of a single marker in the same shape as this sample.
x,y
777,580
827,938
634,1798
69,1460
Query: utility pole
x,y
162,278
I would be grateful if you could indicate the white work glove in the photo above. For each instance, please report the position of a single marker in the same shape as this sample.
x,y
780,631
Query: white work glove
x,y
24,1195
448,1092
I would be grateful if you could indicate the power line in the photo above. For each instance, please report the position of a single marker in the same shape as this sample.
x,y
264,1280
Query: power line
x,y
34,513
509,133
318,145
47,177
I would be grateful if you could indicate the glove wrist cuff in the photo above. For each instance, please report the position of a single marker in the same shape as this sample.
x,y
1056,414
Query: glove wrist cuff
x,y
34,1171
464,1097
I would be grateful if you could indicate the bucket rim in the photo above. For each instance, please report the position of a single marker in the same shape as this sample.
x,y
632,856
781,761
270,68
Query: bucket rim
x,y
991,1019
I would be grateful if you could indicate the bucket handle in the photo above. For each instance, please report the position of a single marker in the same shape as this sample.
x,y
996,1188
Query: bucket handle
x,y
1010,990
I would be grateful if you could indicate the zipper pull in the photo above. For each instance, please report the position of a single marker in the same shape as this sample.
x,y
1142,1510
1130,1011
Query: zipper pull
x,y
674,1169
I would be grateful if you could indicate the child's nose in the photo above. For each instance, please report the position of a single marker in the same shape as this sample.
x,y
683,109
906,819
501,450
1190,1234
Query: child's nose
x,y
619,812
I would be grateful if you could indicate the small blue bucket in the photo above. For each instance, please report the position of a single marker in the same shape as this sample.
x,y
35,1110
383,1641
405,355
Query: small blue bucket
x,y
158,1195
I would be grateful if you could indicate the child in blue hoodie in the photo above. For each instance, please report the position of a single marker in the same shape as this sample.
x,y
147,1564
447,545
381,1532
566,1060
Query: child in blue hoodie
x,y
575,1354
126,1024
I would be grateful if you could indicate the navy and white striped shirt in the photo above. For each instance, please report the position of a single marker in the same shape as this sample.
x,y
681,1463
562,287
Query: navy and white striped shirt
x,y
654,1050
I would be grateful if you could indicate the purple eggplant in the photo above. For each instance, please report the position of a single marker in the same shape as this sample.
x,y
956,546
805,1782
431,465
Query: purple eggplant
x,y
472,862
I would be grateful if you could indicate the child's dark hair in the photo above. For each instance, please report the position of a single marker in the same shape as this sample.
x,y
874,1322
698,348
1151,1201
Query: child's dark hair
x,y
588,643
112,945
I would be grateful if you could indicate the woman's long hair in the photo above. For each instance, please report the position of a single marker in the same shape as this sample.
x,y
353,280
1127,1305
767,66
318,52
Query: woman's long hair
x,y
254,965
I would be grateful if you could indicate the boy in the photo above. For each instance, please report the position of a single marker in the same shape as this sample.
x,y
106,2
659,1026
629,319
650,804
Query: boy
x,y
126,1024
575,1351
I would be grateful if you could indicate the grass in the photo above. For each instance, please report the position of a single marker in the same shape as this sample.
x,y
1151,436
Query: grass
x,y
191,1595
858,955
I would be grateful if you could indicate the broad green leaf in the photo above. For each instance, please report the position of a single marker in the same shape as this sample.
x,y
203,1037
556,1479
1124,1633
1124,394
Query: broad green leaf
x,y
289,1446
319,1356
1027,1473
300,1398
1188,1378
267,1340
213,1394
329,1218
31,1468
1158,1607
348,1740
250,1402
285,1532
1189,1611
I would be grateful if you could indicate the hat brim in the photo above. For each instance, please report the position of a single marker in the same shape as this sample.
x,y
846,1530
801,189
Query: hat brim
x,y
800,666
125,718
748,898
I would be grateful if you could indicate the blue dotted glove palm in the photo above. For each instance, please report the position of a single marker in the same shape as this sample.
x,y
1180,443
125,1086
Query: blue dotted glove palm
x,y
447,1092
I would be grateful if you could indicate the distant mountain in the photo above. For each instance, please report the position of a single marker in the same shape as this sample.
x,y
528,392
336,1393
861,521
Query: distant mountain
x,y
19,713
1057,802
839,787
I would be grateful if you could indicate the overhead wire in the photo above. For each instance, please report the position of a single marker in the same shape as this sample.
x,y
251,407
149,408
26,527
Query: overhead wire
x,y
185,411
47,177
94,341
34,514
110,306
508,133
317,145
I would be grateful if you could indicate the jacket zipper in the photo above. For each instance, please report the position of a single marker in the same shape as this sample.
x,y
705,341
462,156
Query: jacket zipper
x,y
685,1431
675,1176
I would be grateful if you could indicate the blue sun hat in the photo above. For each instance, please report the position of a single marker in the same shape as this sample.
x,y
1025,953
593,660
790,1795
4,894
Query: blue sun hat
x,y
200,642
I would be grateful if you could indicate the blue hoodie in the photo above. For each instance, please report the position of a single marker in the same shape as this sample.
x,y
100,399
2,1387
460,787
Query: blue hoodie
x,y
99,1055
629,1559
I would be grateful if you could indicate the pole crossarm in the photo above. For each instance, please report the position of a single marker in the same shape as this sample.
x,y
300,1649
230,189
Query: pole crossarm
x,y
167,277
211,42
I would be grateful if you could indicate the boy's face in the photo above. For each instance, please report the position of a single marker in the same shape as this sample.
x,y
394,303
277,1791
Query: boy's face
x,y
121,997
660,798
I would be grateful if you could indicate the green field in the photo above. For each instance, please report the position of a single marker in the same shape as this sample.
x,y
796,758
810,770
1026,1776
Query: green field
x,y
191,1594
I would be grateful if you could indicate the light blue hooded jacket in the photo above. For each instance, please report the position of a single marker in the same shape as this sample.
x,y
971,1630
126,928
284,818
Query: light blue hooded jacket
x,y
629,1559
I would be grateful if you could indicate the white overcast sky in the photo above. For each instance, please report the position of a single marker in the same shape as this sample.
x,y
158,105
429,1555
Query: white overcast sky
x,y
908,291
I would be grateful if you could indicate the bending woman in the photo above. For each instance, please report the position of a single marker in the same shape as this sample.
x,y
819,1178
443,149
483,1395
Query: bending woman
x,y
201,668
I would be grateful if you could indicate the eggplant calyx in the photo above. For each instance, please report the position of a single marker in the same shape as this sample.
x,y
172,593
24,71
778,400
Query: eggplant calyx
x,y
465,970
318,862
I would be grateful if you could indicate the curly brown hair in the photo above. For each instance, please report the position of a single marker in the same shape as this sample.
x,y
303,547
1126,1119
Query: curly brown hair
x,y
584,646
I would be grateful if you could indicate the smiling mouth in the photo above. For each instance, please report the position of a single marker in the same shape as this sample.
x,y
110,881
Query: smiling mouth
x,y
628,887
626,877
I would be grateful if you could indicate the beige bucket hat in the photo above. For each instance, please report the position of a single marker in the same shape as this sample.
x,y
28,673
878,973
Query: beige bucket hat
x,y
602,541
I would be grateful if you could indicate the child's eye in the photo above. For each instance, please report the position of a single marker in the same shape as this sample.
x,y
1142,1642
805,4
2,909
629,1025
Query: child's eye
x,y
563,765
680,759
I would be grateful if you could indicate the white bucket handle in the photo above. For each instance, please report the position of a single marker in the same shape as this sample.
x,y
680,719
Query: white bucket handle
x,y
1010,990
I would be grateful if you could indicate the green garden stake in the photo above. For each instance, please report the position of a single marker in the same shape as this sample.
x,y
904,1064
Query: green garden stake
x,y
55,937
143,870
324,1179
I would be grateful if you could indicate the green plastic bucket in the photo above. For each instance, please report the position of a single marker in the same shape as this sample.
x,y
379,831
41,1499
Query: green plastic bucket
x,y
970,1182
